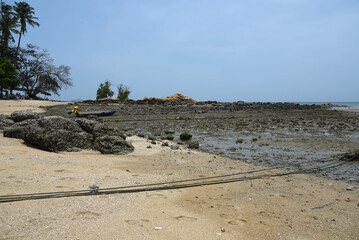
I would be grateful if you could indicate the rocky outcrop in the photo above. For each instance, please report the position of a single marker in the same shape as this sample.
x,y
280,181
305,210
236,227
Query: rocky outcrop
x,y
5,121
18,129
55,133
20,116
57,140
175,98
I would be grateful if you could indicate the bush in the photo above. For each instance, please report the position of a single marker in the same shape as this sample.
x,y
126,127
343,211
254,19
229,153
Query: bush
x,y
123,92
104,91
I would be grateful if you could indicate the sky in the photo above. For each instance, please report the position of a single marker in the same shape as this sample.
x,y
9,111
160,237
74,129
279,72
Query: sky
x,y
220,50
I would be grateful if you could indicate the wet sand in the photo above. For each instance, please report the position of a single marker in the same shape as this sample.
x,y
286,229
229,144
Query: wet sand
x,y
299,206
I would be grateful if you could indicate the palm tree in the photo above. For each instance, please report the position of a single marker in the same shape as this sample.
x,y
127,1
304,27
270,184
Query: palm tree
x,y
24,14
7,26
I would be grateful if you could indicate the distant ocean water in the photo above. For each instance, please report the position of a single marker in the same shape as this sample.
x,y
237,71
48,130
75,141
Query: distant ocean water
x,y
349,104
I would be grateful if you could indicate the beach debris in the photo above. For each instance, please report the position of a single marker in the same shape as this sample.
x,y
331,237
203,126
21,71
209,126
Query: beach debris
x,y
94,189
350,188
185,136
158,228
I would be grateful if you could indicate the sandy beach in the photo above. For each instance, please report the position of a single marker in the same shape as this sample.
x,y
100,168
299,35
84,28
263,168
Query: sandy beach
x,y
297,206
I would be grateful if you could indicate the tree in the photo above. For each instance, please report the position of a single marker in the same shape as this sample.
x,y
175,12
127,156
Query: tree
x,y
39,75
8,74
104,90
24,14
8,24
123,92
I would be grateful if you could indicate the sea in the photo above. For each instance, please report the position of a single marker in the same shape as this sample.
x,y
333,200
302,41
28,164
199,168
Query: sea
x,y
348,104
344,106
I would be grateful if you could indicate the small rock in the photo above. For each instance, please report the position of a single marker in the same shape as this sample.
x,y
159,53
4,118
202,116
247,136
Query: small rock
x,y
193,145
174,147
350,188
165,144
185,136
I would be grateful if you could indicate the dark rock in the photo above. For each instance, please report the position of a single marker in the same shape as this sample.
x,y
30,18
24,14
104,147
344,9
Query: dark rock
x,y
56,140
169,132
165,144
141,135
153,142
5,121
193,145
240,141
3,117
59,123
169,137
174,147
86,125
351,156
19,116
17,130
102,129
151,137
185,136
113,145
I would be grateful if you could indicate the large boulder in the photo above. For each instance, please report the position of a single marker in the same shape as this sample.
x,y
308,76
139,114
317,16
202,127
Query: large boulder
x,y
113,145
57,123
57,134
17,130
56,140
19,116
5,121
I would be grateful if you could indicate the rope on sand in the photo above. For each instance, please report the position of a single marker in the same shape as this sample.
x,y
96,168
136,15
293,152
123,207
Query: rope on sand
x,y
228,178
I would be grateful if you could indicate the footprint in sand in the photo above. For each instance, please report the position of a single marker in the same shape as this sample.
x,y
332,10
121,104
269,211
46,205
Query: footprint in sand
x,y
236,222
185,218
131,222
88,213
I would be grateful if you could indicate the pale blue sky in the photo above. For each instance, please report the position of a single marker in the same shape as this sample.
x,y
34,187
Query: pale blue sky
x,y
224,50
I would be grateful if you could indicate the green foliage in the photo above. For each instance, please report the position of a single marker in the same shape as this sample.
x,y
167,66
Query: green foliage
x,y
104,91
24,14
123,92
8,74
8,25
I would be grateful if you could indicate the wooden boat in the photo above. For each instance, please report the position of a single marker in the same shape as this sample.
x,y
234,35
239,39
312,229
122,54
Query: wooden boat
x,y
99,113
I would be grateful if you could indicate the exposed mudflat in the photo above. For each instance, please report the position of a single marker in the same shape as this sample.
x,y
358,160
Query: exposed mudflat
x,y
288,136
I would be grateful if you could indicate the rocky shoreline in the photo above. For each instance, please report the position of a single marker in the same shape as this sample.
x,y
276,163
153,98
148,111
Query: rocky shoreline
x,y
283,135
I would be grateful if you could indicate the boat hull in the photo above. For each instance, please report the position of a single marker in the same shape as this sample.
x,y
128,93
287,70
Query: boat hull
x,y
85,114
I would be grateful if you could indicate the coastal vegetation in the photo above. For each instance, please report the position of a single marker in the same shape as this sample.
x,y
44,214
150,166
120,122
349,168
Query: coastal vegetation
x,y
29,70
104,91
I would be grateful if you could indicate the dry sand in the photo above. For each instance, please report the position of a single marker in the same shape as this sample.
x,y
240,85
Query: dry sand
x,y
298,206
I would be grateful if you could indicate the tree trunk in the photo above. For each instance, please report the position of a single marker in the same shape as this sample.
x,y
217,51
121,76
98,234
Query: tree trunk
x,y
18,44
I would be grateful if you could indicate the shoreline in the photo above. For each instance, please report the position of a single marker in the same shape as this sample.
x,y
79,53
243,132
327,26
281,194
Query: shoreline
x,y
300,206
